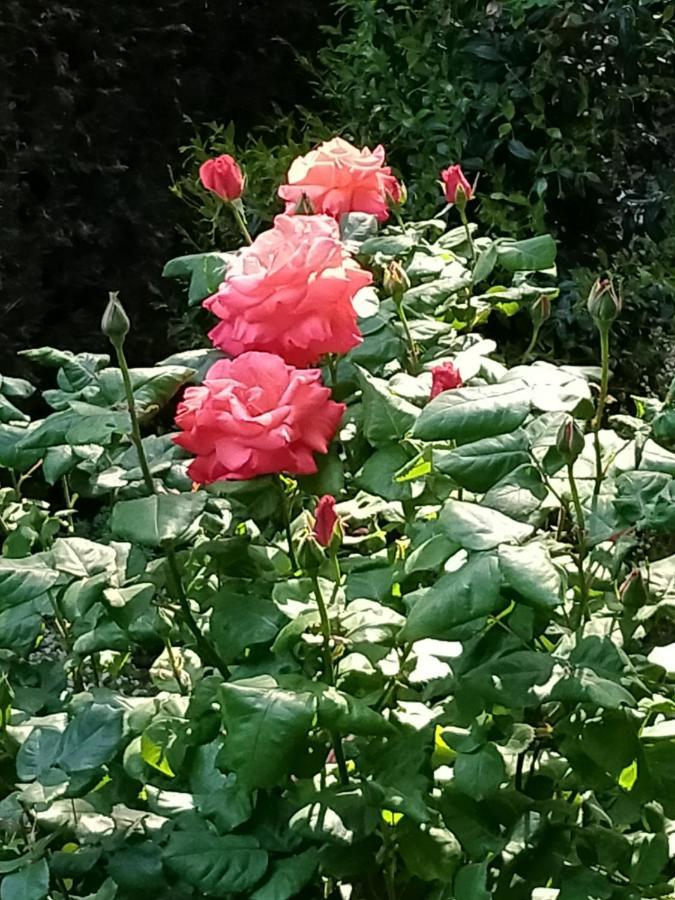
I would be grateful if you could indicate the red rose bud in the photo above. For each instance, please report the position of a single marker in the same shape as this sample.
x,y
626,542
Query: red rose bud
x,y
604,303
457,188
325,520
223,177
570,441
444,378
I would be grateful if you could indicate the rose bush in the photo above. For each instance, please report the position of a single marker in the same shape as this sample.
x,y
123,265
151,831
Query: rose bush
x,y
439,667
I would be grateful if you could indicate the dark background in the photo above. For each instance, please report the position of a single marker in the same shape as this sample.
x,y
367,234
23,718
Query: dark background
x,y
95,100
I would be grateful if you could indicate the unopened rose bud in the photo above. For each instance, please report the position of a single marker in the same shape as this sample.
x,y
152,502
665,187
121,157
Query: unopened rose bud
x,y
222,176
395,281
570,441
604,302
115,322
326,522
456,186
540,310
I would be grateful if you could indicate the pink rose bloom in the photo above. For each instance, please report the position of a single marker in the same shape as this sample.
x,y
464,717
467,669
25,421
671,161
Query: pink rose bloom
x,y
338,178
454,178
444,378
290,293
255,415
325,520
223,176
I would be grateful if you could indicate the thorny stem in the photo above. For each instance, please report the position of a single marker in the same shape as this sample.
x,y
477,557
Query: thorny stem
x,y
285,512
602,399
412,349
135,429
241,223
174,582
465,223
581,546
329,672
177,591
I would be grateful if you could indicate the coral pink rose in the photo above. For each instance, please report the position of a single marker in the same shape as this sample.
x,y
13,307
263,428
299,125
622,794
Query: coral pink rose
x,y
444,378
223,176
290,293
338,178
454,178
255,415
325,520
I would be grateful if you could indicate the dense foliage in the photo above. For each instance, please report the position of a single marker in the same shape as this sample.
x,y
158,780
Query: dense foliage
x,y
461,689
96,98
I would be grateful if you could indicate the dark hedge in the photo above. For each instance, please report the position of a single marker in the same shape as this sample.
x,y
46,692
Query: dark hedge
x,y
94,103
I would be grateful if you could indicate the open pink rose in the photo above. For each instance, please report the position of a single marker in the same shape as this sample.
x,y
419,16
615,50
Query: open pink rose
x,y
255,415
222,176
338,178
290,293
444,377
454,179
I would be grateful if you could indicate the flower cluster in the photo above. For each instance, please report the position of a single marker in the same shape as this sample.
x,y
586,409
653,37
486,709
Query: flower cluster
x,y
286,302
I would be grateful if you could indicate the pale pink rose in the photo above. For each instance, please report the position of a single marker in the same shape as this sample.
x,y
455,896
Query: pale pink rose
x,y
290,293
255,415
338,178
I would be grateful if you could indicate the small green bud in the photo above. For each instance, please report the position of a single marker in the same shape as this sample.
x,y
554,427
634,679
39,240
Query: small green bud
x,y
115,322
604,302
310,554
395,281
570,441
540,310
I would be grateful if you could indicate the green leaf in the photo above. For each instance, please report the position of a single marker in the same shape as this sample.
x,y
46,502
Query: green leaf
x,y
288,876
485,263
476,527
341,712
479,774
386,417
152,387
471,413
214,865
205,271
20,626
12,456
378,474
158,519
218,797
137,868
239,621
532,255
266,726
39,752
470,882
429,853
528,570
22,580
457,597
478,466
387,246
91,738
31,883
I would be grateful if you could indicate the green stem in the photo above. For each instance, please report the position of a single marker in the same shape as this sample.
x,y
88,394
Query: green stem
x,y
329,672
241,223
177,591
286,515
414,359
602,399
465,223
174,667
135,428
581,547
533,342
